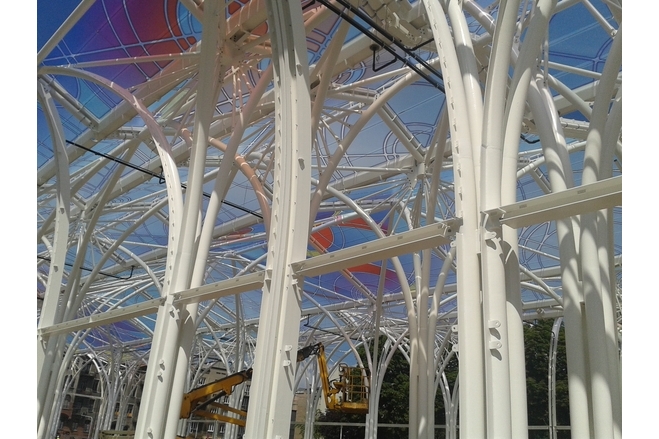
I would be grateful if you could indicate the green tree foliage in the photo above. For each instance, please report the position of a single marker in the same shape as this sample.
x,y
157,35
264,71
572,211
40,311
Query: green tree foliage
x,y
335,431
451,372
393,404
394,397
537,339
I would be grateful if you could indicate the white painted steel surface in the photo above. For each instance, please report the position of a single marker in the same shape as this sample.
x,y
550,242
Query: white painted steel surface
x,y
260,176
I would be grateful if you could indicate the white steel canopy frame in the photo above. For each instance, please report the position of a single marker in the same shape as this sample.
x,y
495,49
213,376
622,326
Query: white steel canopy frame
x,y
222,182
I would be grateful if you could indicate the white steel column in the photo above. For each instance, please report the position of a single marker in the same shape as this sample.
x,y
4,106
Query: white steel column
x,y
495,316
561,178
162,371
610,142
419,383
600,323
525,69
161,368
271,393
470,339
370,430
74,294
469,68
211,73
47,349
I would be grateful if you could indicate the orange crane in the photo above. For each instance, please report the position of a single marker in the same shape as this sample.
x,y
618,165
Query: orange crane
x,y
199,400
348,394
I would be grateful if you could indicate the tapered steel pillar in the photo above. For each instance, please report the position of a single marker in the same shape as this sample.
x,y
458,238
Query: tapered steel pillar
x,y
560,176
271,393
495,318
47,349
470,336
516,104
211,74
601,333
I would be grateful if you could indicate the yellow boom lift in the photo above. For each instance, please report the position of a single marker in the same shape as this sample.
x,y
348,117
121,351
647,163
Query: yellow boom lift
x,y
200,400
348,394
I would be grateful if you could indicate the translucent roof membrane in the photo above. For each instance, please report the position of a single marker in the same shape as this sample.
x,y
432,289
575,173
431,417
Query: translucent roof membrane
x,y
118,230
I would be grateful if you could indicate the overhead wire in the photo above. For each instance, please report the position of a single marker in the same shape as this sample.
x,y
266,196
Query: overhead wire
x,y
160,177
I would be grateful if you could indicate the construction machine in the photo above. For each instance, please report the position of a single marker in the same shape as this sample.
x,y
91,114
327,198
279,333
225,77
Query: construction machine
x,y
201,400
348,394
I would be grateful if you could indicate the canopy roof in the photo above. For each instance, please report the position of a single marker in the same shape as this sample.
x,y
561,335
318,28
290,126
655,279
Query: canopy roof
x,y
148,50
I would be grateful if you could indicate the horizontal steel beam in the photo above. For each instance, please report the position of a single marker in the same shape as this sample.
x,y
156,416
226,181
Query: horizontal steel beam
x,y
559,205
422,238
104,318
223,288
215,290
